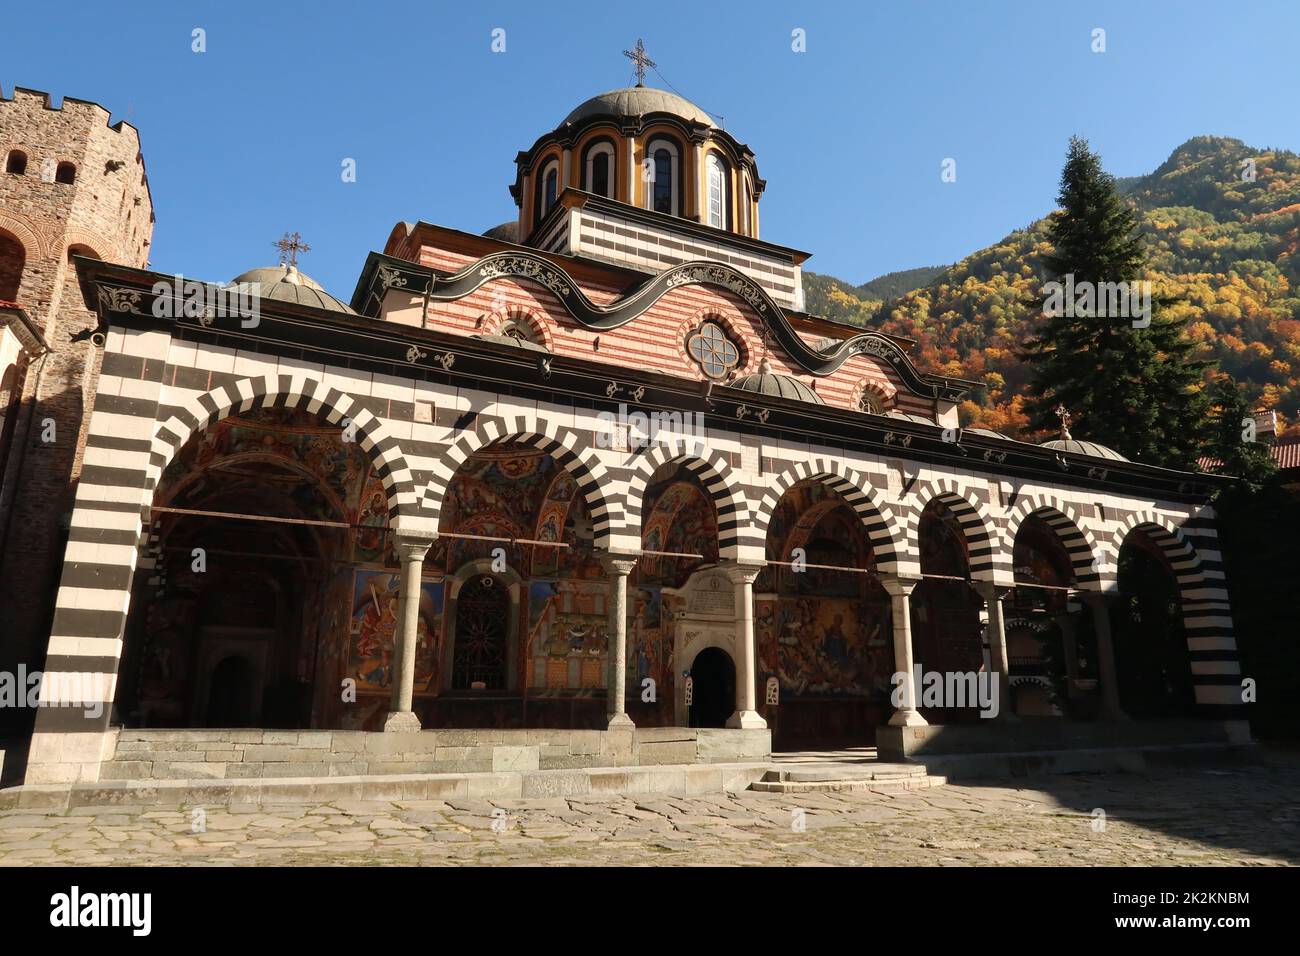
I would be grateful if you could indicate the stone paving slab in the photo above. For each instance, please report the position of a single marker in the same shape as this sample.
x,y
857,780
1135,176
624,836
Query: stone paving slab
x,y
1191,817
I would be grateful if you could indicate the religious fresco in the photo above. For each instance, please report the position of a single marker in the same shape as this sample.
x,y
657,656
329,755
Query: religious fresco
x,y
649,642
822,632
373,624
825,647
681,519
568,625
301,443
814,519
372,545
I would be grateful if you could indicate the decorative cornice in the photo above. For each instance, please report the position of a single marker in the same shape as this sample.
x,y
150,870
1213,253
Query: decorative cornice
x,y
533,267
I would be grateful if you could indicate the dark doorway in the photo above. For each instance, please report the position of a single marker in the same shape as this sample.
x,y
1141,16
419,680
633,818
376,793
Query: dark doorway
x,y
482,612
230,695
714,688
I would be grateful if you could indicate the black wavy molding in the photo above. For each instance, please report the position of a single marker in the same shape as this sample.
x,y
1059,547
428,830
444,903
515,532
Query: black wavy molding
x,y
535,268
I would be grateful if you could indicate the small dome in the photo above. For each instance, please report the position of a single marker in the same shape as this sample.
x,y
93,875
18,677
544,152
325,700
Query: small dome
x,y
512,340
637,101
989,433
1077,447
767,382
506,232
284,283
908,417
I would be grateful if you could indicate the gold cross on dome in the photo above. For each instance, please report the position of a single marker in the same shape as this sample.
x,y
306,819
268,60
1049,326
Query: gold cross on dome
x,y
290,246
1066,418
638,56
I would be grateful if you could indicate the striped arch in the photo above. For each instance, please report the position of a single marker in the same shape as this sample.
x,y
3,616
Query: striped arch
x,y
858,493
712,469
284,391
988,561
1171,541
561,443
1086,557
1203,593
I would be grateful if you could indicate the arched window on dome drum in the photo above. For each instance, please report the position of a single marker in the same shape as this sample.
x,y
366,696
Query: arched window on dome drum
x,y
663,193
598,170
746,208
548,188
717,192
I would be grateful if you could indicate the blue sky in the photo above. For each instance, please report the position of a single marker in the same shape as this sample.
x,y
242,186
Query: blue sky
x,y
246,141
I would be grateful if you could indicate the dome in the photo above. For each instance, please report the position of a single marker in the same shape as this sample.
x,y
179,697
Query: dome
x,y
512,340
506,232
637,101
908,417
1090,448
767,382
286,284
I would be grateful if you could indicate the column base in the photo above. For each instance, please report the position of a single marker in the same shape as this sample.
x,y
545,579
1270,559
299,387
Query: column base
x,y
908,718
746,720
401,722
620,722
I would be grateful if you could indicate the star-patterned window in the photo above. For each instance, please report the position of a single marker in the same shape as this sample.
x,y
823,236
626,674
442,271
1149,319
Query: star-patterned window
x,y
712,350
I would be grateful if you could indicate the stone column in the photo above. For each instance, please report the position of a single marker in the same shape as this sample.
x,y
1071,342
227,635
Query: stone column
x,y
996,636
900,590
617,567
1099,606
746,716
400,715
1070,647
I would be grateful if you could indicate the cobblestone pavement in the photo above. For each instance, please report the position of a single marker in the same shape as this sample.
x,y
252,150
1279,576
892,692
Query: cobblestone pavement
x,y
1247,816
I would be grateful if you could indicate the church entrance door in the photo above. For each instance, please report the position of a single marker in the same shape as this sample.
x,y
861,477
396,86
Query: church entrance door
x,y
713,682
482,615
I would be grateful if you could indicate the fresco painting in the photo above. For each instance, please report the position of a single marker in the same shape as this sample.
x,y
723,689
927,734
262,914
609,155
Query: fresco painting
x,y
373,624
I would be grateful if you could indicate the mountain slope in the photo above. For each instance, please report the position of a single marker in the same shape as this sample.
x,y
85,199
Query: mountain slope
x,y
1223,245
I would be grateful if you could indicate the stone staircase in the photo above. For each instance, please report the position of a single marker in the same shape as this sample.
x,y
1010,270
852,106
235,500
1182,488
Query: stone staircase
x,y
847,777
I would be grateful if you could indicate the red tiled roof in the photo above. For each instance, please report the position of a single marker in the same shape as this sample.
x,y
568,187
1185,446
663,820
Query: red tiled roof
x,y
1286,452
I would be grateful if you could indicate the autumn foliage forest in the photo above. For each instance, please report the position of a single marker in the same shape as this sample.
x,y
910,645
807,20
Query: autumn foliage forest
x,y
1221,225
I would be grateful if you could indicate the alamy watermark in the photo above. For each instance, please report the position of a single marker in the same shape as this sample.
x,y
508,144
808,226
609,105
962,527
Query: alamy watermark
x,y
52,689
189,298
630,430
947,689
1104,300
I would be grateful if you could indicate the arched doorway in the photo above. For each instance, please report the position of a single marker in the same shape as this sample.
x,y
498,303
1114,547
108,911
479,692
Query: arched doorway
x,y
231,694
1153,672
480,656
713,686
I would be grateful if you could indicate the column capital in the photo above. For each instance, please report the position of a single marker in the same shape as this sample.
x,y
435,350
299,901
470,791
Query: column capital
x,y
411,547
616,563
739,572
898,586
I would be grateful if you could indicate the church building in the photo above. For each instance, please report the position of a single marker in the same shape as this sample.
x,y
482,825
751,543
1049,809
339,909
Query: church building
x,y
595,472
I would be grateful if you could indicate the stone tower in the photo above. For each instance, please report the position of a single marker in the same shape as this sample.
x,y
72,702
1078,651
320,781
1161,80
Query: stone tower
x,y
70,185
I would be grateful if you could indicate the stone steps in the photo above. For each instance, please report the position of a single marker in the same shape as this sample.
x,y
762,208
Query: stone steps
x,y
813,778
666,779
